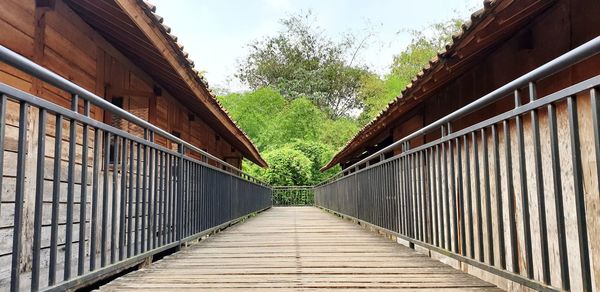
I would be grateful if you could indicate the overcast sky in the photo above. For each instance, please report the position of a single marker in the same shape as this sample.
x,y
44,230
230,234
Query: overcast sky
x,y
216,32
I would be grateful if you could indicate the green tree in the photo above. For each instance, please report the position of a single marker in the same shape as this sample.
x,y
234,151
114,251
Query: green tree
x,y
300,120
300,61
291,74
336,133
318,153
256,113
376,93
287,167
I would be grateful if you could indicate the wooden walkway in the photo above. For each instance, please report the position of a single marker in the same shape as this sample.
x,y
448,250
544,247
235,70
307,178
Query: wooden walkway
x,y
297,249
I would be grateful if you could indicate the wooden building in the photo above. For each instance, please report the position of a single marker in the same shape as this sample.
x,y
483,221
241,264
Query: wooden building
x,y
121,51
501,42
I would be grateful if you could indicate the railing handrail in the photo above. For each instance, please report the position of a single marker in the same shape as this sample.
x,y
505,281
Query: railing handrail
x,y
570,58
22,63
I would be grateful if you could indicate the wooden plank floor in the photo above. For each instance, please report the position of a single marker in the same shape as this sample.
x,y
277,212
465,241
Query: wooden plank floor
x,y
297,249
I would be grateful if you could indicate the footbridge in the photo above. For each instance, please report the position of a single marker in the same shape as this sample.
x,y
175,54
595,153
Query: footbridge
x,y
507,203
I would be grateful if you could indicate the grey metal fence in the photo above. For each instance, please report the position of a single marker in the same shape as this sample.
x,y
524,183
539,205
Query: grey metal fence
x,y
293,196
101,199
489,194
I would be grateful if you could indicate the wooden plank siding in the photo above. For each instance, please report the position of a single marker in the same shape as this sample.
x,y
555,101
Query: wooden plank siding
x,y
297,249
548,36
58,39
558,29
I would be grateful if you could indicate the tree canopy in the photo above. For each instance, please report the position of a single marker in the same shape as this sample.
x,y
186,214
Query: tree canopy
x,y
301,62
306,90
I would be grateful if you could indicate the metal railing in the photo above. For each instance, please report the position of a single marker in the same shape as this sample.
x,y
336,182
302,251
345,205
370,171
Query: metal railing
x,y
293,196
90,199
487,195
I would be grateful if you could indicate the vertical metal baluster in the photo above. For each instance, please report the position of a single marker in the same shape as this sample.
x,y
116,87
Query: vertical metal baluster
x,y
173,206
198,212
394,193
70,190
586,275
410,198
511,199
418,202
488,199
524,191
498,190
420,194
558,198
200,197
435,206
595,104
129,215
171,231
186,202
214,216
19,196
539,185
398,191
429,157
440,193
39,200
453,195
203,196
55,201
83,193
406,193
3,100
411,194
469,197
424,193
179,195
161,206
95,186
123,204
116,198
151,228
167,221
104,236
461,200
189,202
136,238
478,198
167,166
446,198
192,196
145,195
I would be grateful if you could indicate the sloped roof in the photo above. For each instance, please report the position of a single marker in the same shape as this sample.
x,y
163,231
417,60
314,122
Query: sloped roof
x,y
487,27
134,28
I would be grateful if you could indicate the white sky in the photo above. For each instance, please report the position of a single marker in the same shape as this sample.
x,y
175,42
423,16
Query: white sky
x,y
215,32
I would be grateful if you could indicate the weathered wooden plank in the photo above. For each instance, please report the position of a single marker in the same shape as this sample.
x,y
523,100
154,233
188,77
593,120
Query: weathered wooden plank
x,y
296,249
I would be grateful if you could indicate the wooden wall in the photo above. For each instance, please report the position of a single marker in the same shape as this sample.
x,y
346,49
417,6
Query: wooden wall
x,y
563,27
58,39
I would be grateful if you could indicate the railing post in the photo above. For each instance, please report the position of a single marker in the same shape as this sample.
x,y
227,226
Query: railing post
x,y
181,150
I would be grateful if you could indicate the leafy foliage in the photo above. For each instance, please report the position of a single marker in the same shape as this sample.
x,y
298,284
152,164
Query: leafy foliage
x,y
304,90
300,61
256,113
376,93
287,167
